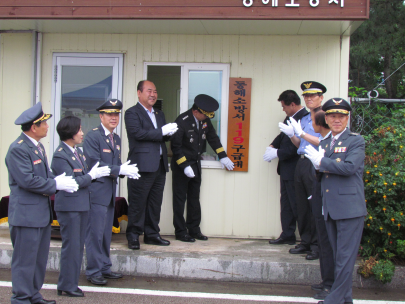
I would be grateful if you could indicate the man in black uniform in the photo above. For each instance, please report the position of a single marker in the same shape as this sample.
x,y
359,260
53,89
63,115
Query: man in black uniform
x,y
187,144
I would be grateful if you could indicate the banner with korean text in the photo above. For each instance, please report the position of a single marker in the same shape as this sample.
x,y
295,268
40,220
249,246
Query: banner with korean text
x,y
239,122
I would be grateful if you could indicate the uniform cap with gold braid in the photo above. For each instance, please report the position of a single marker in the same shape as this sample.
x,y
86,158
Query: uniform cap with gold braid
x,y
206,105
312,87
336,105
32,115
110,106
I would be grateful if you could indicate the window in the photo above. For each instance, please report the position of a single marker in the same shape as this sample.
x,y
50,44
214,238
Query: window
x,y
82,82
179,83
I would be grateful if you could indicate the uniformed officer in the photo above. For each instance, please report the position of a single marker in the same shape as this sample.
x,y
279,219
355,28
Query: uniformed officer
x,y
341,160
73,209
187,144
104,146
29,213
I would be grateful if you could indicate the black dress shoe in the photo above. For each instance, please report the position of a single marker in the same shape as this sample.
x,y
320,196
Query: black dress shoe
x,y
157,240
314,255
281,241
320,302
298,249
134,245
199,236
99,280
185,238
43,301
317,287
112,275
322,294
77,293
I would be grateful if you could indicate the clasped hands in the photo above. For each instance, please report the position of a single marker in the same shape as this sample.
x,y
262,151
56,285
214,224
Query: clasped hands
x,y
292,127
315,156
129,170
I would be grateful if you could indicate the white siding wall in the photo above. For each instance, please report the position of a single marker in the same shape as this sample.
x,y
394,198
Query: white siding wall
x,y
15,92
234,204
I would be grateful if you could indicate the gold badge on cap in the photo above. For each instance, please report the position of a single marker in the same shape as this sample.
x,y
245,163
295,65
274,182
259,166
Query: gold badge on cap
x,y
308,85
113,102
338,160
337,102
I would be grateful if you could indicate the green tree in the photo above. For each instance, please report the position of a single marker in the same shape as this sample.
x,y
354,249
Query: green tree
x,y
378,49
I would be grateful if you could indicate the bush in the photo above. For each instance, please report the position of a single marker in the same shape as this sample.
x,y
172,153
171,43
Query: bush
x,y
384,185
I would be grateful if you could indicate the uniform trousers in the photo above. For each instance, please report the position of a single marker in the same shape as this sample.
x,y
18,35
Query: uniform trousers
x,y
186,189
326,260
288,212
28,265
304,179
98,239
345,237
73,227
145,196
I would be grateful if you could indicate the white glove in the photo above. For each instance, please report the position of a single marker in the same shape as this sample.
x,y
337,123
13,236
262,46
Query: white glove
x,y
189,172
66,183
297,126
314,156
169,129
129,170
286,129
226,162
97,172
270,154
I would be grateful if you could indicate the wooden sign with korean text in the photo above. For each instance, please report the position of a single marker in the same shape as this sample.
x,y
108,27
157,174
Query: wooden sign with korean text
x,y
239,122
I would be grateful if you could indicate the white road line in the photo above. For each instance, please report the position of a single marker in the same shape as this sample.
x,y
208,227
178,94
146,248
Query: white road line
x,y
203,295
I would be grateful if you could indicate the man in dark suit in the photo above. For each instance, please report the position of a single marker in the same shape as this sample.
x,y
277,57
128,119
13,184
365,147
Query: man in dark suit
x,y
188,144
104,146
29,212
341,160
147,132
286,151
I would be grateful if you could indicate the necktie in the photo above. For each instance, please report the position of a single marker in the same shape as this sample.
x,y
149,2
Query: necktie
x,y
332,143
40,149
78,158
111,136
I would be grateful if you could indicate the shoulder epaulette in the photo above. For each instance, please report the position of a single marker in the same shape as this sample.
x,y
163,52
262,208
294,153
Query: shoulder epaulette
x,y
185,117
20,141
95,129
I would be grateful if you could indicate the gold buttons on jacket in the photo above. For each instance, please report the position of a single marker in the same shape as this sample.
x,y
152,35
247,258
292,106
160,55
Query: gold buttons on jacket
x,y
327,190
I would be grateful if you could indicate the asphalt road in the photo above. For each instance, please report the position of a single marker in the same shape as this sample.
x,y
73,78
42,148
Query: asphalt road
x,y
142,290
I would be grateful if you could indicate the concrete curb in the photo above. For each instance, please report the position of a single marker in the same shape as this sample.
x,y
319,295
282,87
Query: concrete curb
x,y
216,267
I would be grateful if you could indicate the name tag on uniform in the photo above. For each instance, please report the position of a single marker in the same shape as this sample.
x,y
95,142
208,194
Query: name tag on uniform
x,y
37,162
77,170
107,150
340,149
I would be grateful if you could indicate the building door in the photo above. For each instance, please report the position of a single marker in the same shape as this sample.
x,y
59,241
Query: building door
x,y
82,82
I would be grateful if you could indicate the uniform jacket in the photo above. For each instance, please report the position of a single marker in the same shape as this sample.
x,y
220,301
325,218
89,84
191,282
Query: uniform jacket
x,y
188,143
65,161
287,152
31,183
342,179
97,147
144,140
